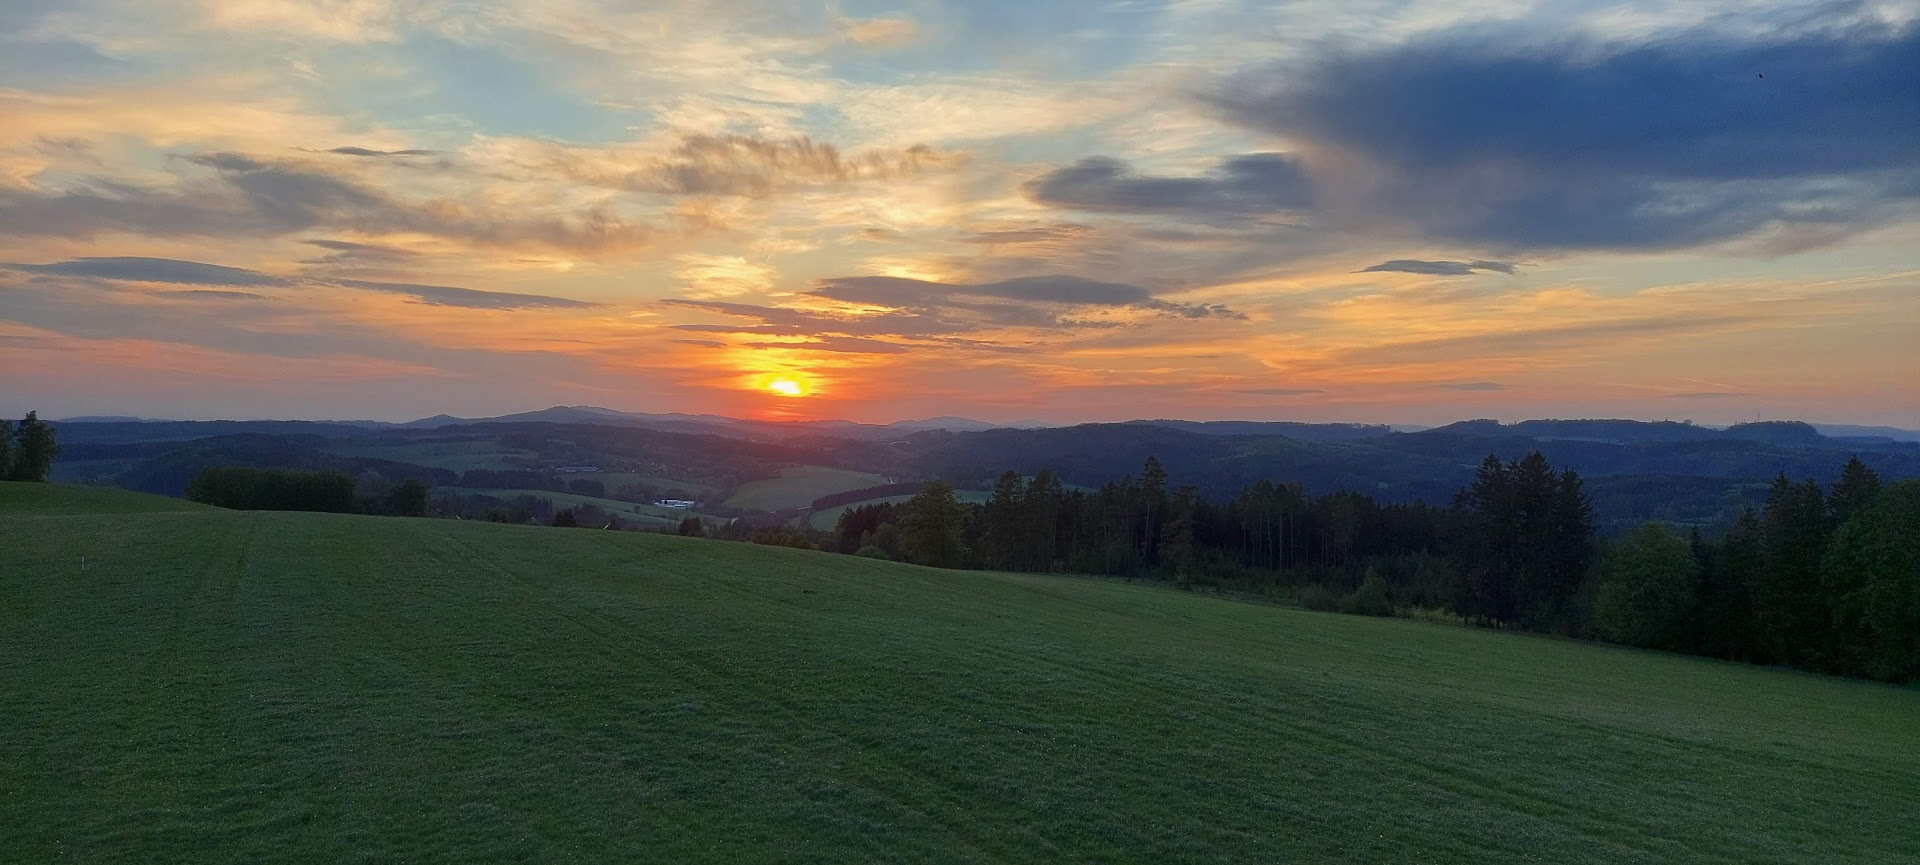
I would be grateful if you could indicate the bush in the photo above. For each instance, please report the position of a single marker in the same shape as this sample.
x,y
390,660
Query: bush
x,y
784,537
872,552
1370,599
1316,597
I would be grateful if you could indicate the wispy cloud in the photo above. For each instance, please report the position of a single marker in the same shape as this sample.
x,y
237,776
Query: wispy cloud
x,y
1252,184
1438,268
170,271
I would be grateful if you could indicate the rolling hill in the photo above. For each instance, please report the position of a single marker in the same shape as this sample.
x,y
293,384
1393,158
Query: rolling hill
x,y
251,686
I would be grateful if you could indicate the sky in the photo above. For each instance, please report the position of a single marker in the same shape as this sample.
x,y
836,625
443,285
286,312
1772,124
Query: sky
x,y
1405,212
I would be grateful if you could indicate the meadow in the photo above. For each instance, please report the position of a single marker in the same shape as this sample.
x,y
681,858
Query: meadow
x,y
253,686
797,488
826,518
647,515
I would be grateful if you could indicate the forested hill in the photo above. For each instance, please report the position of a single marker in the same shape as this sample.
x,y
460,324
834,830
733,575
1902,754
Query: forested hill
x,y
1635,470
1629,459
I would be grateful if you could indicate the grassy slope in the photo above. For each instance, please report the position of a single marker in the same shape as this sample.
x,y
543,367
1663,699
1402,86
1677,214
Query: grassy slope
x,y
231,686
825,520
50,499
798,487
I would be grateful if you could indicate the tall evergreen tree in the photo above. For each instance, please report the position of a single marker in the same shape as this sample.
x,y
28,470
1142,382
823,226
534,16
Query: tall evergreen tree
x,y
1488,522
33,458
6,449
1177,551
1041,507
1793,608
1536,502
1001,541
1572,550
1153,508
1856,489
1732,610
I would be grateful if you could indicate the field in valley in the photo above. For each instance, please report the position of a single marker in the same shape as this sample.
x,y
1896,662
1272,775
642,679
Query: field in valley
x,y
252,686
797,488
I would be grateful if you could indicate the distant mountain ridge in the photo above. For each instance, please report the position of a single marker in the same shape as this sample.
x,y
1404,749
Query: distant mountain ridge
x,y
1618,431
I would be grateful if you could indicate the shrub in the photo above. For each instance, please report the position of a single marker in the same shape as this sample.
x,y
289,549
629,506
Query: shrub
x,y
1316,597
1370,599
872,552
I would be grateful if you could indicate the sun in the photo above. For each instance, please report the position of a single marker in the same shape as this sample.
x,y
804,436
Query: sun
x,y
786,387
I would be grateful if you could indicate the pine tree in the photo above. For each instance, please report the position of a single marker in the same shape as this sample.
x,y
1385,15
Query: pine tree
x,y
1488,544
33,459
1732,614
1153,508
1794,612
1000,543
1572,544
1041,506
1177,546
6,449
1856,489
1536,503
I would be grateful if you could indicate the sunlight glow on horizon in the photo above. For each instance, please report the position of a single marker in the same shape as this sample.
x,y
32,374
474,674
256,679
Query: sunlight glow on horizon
x,y
246,208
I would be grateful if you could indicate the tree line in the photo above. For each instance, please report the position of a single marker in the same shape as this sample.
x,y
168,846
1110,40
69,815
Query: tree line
x,y
1826,580
1819,579
27,451
256,489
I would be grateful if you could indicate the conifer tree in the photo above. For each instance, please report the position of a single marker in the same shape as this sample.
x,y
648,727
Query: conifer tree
x,y
1856,489
6,449
1732,610
1794,611
1177,545
1004,517
1153,508
1041,506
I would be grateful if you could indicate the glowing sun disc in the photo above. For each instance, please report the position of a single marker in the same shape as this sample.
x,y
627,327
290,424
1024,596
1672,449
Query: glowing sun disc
x,y
785,387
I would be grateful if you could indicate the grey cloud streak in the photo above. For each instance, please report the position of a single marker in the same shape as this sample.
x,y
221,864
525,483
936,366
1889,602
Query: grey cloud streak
x,y
176,272
1517,143
248,196
1439,268
1248,184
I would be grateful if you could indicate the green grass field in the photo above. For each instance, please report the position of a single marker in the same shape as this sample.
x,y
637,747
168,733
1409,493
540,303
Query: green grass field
x,y
615,480
827,518
630,511
248,686
798,487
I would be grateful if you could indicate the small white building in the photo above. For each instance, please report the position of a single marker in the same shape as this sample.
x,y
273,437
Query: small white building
x,y
574,470
678,504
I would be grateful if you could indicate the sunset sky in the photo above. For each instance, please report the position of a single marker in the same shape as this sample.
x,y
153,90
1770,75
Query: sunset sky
x,y
1374,211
